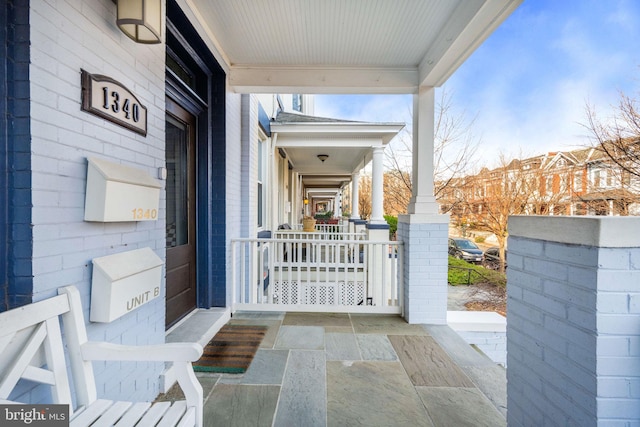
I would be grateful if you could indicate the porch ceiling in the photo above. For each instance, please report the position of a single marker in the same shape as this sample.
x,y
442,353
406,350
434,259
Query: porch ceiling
x,y
348,146
343,46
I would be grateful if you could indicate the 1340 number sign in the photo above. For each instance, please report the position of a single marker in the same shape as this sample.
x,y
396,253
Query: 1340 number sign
x,y
141,214
109,99
113,102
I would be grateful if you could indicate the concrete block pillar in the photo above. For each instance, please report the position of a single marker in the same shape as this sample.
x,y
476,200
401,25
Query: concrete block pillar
x,y
424,267
573,321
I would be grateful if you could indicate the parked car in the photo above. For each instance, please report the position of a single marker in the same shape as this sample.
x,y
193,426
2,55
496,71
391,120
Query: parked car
x,y
465,249
492,258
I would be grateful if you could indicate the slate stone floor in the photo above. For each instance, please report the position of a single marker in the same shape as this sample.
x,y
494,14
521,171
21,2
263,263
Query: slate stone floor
x,y
356,370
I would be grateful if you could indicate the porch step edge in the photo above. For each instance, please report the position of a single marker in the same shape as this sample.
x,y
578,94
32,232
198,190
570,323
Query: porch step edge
x,y
200,327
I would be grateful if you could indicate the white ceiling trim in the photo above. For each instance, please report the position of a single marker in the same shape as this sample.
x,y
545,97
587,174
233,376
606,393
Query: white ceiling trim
x,y
492,13
348,80
335,134
267,66
327,143
199,23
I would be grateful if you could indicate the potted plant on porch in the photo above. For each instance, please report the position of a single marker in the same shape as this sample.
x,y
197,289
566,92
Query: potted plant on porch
x,y
308,223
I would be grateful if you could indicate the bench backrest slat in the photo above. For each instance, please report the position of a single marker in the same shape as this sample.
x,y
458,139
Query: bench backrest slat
x,y
31,348
22,317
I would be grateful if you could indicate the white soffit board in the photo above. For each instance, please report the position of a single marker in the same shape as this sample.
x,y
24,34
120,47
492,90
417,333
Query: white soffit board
x,y
343,46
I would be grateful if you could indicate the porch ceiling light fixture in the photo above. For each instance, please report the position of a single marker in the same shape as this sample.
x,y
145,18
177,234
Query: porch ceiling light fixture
x,y
141,20
323,157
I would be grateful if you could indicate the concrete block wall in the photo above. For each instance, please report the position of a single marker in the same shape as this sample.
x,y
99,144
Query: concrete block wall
x,y
424,267
573,333
65,38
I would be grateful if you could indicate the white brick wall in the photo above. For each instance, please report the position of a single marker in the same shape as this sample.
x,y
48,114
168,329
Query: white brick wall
x,y
68,36
573,336
234,176
424,268
249,165
492,344
483,329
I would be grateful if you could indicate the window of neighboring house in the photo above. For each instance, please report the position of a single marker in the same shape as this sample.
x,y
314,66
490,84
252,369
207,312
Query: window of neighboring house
x,y
564,183
549,184
577,181
261,182
609,179
597,178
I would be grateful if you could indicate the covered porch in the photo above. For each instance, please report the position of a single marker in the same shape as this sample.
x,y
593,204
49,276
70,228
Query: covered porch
x,y
319,369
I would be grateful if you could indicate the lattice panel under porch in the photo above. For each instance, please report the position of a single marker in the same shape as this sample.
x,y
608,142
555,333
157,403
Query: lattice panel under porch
x,y
352,293
319,293
286,293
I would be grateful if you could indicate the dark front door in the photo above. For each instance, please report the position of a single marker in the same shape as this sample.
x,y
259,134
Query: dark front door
x,y
181,212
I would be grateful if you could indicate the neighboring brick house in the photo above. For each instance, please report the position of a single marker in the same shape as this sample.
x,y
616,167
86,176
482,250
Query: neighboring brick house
x,y
578,182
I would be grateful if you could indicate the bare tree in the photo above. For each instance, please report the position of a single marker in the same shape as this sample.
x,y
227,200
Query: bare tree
x,y
364,197
505,192
396,192
617,141
454,150
619,138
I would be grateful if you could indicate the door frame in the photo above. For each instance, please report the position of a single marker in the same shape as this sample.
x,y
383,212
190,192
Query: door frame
x,y
181,114
208,104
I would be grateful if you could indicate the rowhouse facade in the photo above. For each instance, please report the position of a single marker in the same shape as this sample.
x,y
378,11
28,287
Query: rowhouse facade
x,y
579,182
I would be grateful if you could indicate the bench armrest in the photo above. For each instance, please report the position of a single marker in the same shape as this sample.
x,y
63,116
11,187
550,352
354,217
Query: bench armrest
x,y
170,352
182,354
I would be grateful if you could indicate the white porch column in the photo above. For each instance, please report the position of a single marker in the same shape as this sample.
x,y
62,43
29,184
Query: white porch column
x,y
422,198
424,232
272,204
377,193
355,189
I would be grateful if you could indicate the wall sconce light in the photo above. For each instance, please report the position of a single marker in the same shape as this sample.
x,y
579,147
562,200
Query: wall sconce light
x,y
323,157
306,201
141,20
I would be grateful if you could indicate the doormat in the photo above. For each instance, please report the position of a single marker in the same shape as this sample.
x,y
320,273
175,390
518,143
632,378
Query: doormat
x,y
231,350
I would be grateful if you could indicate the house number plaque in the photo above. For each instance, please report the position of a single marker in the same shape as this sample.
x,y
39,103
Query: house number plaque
x,y
106,98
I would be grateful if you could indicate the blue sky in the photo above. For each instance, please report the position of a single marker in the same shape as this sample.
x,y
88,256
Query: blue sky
x,y
527,86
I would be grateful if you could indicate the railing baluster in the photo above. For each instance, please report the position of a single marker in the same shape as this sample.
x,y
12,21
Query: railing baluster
x,y
233,275
243,271
320,261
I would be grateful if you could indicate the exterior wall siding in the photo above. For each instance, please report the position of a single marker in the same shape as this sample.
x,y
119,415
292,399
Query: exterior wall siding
x,y
573,335
65,38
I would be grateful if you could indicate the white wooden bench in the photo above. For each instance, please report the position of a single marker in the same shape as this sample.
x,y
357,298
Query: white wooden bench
x,y
30,339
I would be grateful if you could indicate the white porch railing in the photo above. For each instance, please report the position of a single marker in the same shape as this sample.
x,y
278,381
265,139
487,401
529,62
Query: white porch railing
x,y
338,228
311,273
322,233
